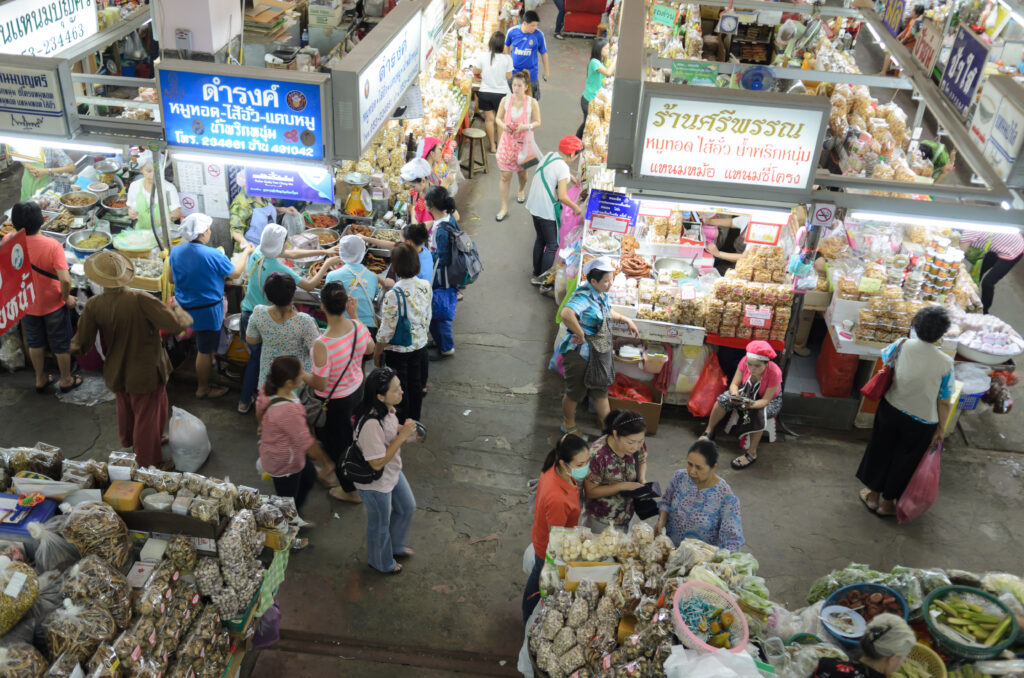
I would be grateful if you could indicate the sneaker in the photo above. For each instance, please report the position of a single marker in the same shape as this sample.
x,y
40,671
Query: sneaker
x,y
538,280
448,354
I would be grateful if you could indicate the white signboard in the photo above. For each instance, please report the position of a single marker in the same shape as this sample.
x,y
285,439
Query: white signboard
x,y
997,125
44,27
730,143
383,82
431,32
928,45
31,101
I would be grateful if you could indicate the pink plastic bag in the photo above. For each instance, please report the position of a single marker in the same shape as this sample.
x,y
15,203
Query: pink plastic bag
x,y
923,487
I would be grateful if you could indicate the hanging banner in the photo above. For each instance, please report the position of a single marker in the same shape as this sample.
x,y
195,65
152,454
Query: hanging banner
x,y
997,127
265,112
963,71
16,288
41,27
312,184
893,15
928,45
610,211
694,73
32,100
431,31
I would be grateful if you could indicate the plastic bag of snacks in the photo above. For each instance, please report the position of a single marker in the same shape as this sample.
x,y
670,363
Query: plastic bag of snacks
x,y
21,660
77,630
95,528
93,580
20,585
52,551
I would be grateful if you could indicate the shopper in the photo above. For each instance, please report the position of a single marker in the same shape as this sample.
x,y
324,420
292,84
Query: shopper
x,y
586,315
337,376
135,366
699,504
444,301
494,70
884,647
526,44
913,413
518,115
756,392
416,236
1000,252
48,318
557,505
198,273
548,193
596,73
559,19
388,500
618,464
402,337
943,160
277,329
360,282
286,444
38,176
263,263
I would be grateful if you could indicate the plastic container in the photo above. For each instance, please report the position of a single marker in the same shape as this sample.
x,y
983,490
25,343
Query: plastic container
x,y
655,357
715,597
865,587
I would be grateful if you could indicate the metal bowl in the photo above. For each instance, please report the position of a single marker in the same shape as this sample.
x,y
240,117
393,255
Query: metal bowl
x,y
356,179
117,211
325,231
78,237
79,209
682,267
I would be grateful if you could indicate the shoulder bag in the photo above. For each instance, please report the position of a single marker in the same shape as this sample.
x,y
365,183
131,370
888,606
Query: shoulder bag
x,y
879,384
354,466
316,407
556,204
403,328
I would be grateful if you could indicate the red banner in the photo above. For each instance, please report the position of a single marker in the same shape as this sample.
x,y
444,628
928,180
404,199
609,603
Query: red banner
x,y
16,288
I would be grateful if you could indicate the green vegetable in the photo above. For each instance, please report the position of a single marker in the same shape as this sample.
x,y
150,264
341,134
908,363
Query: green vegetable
x,y
999,631
911,668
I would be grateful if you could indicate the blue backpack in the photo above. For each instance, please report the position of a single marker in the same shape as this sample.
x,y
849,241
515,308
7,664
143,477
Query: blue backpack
x,y
403,328
465,266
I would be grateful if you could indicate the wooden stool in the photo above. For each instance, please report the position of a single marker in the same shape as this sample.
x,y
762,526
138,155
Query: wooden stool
x,y
476,137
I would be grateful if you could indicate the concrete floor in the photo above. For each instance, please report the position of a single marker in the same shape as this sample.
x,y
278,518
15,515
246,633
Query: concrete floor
x,y
492,414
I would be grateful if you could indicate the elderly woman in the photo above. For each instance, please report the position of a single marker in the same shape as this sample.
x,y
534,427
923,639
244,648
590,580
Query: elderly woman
x,y
198,273
139,193
586,315
699,504
884,647
618,465
756,392
913,413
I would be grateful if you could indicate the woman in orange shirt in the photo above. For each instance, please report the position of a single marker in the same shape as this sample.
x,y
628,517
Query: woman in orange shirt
x,y
557,505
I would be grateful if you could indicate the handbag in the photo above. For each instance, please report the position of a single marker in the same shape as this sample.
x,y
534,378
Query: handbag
x,y
600,366
403,328
354,466
879,384
529,152
644,498
316,407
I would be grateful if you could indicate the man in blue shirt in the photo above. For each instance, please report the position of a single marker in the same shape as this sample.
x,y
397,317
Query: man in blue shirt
x,y
525,43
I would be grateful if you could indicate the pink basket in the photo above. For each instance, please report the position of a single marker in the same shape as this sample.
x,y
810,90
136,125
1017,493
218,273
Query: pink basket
x,y
715,597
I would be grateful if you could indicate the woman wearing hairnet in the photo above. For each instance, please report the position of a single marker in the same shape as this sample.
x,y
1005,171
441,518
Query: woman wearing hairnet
x,y
141,191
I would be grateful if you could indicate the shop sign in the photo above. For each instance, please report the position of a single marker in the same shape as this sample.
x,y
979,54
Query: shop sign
x,y
963,71
664,14
385,79
312,184
763,234
694,72
264,114
44,27
929,42
893,15
997,126
432,30
610,211
31,101
16,288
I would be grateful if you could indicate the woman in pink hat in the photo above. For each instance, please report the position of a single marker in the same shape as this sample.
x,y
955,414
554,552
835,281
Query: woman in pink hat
x,y
756,392
433,153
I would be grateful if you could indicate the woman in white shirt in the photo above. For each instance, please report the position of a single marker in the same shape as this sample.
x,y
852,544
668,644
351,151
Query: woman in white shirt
x,y
494,70
139,194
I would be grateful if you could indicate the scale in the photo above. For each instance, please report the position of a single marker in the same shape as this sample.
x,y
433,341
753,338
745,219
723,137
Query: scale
x,y
358,203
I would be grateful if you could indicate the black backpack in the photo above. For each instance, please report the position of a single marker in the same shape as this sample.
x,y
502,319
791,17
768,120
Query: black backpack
x,y
466,266
354,466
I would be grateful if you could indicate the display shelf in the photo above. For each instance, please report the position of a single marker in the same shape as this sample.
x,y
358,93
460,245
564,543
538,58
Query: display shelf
x,y
735,342
654,330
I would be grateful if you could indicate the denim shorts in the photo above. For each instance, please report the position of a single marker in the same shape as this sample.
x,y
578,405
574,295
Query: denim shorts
x,y
55,327
207,341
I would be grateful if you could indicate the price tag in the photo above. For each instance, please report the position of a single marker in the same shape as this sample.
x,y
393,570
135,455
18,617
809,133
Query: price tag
x,y
664,15
15,584
757,317
607,222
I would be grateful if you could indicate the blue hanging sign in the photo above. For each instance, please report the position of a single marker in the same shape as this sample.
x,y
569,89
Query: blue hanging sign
x,y
963,70
251,115
610,211
893,16
312,184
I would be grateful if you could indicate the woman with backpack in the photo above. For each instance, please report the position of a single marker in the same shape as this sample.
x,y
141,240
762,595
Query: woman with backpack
x,y
388,500
446,230
402,335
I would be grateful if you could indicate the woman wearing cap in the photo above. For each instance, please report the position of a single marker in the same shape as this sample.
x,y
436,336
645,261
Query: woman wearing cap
x,y
518,115
756,391
417,174
198,273
586,315
263,263
360,282
884,647
250,215
140,192
136,366
440,173
618,464
547,196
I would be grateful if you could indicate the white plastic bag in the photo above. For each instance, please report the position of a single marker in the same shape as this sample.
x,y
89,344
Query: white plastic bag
x,y
294,223
719,664
190,446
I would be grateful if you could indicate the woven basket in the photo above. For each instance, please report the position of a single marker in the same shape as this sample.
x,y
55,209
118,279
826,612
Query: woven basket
x,y
927,656
953,647
715,597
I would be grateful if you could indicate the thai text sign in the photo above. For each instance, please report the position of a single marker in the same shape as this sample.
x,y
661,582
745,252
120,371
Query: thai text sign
x,y
731,143
31,101
311,184
385,79
963,71
43,27
610,211
893,16
242,114
16,289
929,41
665,15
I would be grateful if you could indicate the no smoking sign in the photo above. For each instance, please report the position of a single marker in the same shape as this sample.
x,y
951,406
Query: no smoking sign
x,y
822,214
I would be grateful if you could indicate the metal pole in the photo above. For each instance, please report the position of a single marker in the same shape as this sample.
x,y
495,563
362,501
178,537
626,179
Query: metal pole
x,y
158,180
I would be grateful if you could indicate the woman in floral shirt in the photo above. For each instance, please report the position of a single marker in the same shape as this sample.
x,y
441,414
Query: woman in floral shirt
x,y
619,465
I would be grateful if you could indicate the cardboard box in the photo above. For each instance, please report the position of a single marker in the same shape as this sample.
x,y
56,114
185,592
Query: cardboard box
x,y
651,412
843,309
817,300
124,495
600,573
153,550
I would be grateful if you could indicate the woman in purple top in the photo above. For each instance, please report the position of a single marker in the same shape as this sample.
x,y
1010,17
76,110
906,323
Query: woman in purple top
x,y
619,465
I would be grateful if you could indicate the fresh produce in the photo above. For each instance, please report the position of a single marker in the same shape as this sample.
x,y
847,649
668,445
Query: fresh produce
x,y
710,624
911,668
870,604
970,621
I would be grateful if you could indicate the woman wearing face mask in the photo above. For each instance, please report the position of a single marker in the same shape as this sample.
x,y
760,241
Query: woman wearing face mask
x,y
557,505
699,504
619,464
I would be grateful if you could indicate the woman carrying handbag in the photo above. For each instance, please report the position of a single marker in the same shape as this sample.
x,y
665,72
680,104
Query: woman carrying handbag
x,y
518,115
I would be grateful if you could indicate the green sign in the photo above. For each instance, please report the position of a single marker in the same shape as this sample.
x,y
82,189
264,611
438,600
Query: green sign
x,y
664,15
694,72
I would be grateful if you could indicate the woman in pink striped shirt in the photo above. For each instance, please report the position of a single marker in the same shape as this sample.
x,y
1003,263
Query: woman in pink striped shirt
x,y
337,376
1003,253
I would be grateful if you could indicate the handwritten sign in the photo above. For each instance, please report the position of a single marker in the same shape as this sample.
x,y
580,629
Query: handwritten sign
x,y
31,101
664,15
893,15
610,211
37,28
17,290
929,42
963,71
313,184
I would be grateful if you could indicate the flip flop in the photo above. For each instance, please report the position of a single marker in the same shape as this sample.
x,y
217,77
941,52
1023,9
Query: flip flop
x,y
75,383
863,494
708,436
750,461
398,569
300,544
45,388
406,553
520,199
214,392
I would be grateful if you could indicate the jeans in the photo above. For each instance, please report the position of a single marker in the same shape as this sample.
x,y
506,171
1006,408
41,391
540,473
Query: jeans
x,y
585,105
993,269
252,368
388,515
531,596
336,435
297,485
545,245
409,369
560,19
443,307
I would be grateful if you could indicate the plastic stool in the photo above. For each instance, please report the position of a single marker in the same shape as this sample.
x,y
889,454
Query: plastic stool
x,y
471,164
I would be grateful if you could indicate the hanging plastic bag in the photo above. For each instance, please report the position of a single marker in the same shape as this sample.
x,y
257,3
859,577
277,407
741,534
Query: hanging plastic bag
x,y
268,631
529,153
52,551
923,488
710,385
294,223
190,445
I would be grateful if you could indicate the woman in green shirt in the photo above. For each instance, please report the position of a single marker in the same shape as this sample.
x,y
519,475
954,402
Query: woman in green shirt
x,y
596,73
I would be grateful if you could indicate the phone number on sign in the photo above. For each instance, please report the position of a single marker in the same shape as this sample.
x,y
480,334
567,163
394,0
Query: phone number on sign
x,y
63,39
241,145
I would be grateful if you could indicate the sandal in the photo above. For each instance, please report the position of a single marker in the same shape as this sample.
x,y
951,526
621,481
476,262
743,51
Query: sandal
x,y
214,392
520,198
750,461
396,570
341,495
300,543
709,435
406,553
45,388
500,217
863,494
75,383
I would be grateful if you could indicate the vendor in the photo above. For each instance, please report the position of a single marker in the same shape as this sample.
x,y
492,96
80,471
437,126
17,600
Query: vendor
x,y
699,504
37,176
440,173
724,238
250,215
999,253
139,195
943,161
619,465
416,173
884,647
756,392
360,282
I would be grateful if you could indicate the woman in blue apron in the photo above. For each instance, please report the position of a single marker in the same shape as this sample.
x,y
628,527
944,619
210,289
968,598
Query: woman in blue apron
x,y
139,207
